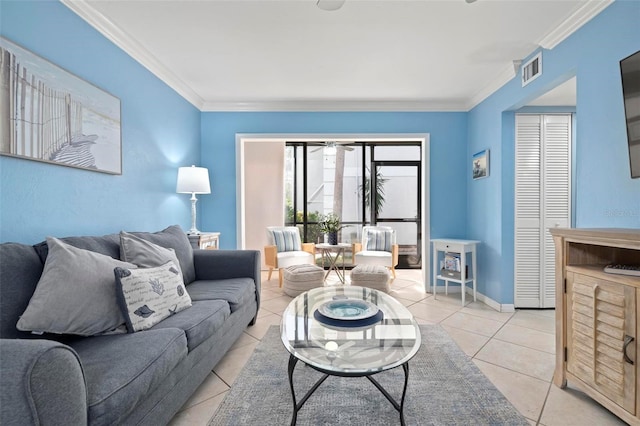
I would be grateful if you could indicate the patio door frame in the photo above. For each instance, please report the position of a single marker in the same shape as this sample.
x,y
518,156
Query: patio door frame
x,y
374,213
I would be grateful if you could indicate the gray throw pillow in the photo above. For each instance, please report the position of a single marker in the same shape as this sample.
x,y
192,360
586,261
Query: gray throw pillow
x,y
76,293
174,237
145,254
147,296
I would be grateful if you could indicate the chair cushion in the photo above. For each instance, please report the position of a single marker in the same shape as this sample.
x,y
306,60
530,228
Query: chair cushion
x,y
290,258
235,291
199,322
378,240
121,370
382,258
286,239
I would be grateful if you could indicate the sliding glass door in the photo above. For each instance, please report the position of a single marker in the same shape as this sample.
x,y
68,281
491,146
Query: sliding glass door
x,y
328,177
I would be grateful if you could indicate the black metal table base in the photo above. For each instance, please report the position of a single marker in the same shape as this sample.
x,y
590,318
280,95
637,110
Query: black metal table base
x,y
297,405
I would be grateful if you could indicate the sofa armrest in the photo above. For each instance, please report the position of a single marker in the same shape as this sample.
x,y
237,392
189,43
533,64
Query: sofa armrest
x,y
224,264
42,383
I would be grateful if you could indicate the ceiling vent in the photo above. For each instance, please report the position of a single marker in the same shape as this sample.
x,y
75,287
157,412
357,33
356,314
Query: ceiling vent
x,y
532,69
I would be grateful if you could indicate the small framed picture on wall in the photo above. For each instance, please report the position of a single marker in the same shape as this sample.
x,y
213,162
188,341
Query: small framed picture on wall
x,y
480,164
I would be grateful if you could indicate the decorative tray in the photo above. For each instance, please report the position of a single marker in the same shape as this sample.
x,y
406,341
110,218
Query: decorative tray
x,y
348,309
344,313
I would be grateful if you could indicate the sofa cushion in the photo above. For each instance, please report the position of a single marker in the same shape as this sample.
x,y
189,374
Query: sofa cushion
x,y
174,237
236,291
121,371
20,270
108,245
199,322
76,293
145,254
148,295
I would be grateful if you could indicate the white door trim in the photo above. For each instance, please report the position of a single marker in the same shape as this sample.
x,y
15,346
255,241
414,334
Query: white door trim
x,y
423,138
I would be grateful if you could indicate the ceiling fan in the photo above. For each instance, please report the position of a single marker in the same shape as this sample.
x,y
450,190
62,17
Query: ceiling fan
x,y
333,146
330,4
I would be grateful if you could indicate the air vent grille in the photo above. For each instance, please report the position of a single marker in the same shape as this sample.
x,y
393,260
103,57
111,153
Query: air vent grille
x,y
532,69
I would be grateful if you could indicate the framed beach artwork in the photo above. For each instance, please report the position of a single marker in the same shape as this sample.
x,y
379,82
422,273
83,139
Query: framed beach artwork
x,y
48,114
480,164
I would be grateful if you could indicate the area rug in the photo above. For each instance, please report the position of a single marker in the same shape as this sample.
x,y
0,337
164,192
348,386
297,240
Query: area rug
x,y
445,388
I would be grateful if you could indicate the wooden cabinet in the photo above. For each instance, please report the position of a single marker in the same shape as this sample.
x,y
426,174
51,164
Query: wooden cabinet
x,y
597,319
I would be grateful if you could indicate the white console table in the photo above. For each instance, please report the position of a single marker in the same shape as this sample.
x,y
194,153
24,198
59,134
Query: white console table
x,y
455,246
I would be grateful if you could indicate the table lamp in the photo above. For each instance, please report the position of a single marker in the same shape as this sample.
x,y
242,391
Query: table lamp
x,y
193,180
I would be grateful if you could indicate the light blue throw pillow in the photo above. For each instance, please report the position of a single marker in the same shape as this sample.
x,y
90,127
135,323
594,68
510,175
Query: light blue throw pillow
x,y
286,239
379,240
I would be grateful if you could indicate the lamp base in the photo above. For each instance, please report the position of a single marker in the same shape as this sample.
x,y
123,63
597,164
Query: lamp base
x,y
193,230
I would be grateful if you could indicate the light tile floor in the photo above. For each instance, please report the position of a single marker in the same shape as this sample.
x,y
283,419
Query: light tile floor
x,y
514,350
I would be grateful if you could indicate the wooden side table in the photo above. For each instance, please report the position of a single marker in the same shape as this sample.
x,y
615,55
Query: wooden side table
x,y
461,247
205,240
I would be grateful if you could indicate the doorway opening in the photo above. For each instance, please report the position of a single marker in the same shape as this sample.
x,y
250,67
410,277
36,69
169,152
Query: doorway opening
x,y
260,182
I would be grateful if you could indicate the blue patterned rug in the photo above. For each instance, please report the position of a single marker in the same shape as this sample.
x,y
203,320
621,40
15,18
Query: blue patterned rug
x,y
445,388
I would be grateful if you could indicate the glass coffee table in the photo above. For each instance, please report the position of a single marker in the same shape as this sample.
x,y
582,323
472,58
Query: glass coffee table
x,y
349,344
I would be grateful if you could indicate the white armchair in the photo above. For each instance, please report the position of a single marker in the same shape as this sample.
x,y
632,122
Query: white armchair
x,y
378,247
286,249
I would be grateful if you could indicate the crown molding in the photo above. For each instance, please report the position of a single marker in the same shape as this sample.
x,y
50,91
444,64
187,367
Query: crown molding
x,y
338,105
134,49
501,79
551,40
573,22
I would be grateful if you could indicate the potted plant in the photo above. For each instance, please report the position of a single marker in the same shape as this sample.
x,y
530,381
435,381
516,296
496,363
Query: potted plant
x,y
330,225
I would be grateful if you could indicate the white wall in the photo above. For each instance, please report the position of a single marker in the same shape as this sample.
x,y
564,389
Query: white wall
x,y
264,190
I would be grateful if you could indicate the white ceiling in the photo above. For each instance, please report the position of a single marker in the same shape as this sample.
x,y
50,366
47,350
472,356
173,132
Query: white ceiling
x,y
444,55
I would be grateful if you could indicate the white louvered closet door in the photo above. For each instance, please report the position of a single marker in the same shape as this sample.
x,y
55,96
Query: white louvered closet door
x,y
542,201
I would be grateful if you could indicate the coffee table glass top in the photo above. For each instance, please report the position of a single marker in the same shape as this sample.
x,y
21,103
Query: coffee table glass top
x,y
386,344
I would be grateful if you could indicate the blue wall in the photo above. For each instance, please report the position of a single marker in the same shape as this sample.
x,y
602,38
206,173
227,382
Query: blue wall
x,y
448,165
160,132
605,195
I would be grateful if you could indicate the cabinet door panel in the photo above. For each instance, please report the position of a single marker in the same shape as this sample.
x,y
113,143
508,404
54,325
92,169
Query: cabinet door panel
x,y
600,315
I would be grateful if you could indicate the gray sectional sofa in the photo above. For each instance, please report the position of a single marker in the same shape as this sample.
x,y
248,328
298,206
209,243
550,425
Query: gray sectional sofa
x,y
140,378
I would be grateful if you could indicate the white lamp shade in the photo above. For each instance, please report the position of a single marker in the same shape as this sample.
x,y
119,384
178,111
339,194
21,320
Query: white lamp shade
x,y
193,180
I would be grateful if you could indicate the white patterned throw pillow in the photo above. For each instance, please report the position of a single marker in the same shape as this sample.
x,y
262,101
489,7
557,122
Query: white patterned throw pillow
x,y
149,295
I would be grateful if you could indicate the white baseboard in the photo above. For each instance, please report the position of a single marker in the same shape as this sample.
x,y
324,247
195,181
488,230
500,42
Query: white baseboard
x,y
500,307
